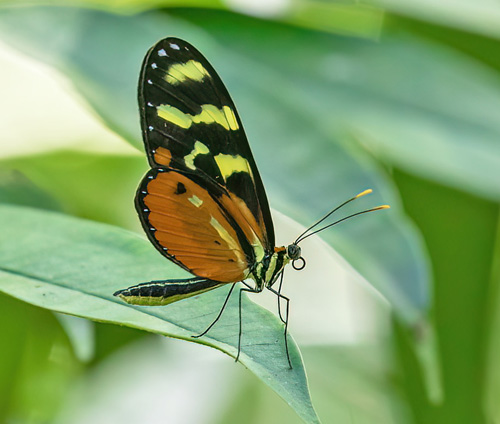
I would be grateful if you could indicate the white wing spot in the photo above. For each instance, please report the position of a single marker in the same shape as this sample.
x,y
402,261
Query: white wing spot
x,y
162,52
175,46
154,65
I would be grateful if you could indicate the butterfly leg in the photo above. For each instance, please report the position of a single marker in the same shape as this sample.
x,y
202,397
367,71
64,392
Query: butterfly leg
x,y
219,315
248,289
280,296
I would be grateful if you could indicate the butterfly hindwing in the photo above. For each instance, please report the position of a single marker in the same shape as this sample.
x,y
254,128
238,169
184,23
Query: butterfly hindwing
x,y
192,228
190,124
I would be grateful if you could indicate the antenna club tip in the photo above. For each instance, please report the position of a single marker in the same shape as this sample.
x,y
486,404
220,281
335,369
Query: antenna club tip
x,y
384,207
368,191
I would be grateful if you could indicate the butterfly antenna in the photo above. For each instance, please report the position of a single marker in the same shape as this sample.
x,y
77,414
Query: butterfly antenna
x,y
343,219
301,237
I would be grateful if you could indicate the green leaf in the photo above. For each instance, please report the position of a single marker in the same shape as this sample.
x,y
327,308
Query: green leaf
x,y
81,335
17,189
73,266
360,393
124,6
101,187
349,385
316,171
492,373
36,363
479,16
460,231
350,18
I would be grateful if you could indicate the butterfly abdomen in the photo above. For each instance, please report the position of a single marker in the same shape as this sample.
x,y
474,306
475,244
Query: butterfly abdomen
x,y
157,293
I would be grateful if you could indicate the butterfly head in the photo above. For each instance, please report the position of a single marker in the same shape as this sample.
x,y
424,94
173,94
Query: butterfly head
x,y
294,252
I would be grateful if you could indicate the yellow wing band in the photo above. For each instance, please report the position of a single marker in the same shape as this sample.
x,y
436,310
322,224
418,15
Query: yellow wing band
x,y
180,72
209,114
229,164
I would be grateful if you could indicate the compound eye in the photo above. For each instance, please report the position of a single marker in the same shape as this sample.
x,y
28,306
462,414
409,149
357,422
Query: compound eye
x,y
293,251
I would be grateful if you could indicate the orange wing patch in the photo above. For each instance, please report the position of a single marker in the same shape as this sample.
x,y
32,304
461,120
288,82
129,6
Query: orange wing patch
x,y
192,226
162,156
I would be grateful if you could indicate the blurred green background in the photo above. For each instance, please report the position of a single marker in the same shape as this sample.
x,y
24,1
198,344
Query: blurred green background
x,y
397,313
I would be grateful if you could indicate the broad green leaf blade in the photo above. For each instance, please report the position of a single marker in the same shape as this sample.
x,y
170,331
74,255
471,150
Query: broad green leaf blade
x,y
73,266
359,391
81,334
17,189
33,381
349,18
461,232
492,374
479,16
315,171
124,6
101,188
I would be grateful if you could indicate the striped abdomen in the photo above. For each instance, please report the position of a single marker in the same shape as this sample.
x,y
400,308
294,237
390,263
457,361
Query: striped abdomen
x,y
157,293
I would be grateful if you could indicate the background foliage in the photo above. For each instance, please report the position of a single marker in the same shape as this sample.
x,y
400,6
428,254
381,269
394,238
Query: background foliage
x,y
398,95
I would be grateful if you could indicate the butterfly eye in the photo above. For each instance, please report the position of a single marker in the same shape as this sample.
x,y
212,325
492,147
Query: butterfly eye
x,y
293,251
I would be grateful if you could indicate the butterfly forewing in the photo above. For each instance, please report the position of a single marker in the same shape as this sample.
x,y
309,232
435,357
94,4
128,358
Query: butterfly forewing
x,y
190,124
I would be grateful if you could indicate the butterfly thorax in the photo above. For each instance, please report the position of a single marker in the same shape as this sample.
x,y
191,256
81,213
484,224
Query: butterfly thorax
x,y
266,272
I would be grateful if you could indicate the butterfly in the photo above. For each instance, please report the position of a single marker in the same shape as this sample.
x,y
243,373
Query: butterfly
x,y
203,204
